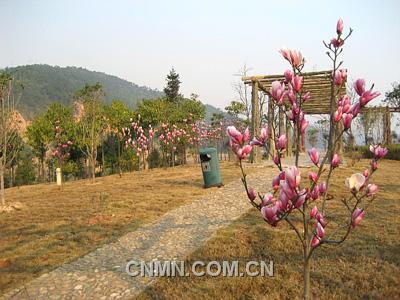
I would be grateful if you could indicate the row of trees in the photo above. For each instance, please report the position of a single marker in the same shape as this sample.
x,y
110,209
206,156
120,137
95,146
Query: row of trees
x,y
93,139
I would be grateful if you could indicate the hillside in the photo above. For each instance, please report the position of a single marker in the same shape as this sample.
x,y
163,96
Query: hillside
x,y
44,84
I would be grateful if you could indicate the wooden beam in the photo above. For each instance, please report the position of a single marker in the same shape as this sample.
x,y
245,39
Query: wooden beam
x,y
255,121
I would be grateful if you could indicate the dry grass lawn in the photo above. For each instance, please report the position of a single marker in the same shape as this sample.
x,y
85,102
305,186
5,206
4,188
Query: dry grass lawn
x,y
59,226
366,266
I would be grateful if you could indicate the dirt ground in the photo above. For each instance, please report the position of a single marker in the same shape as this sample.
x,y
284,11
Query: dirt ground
x,y
366,266
57,226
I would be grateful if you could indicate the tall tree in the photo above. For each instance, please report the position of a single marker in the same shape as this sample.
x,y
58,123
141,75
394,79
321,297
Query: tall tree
x,y
393,97
235,109
40,132
243,93
172,88
90,123
118,115
8,128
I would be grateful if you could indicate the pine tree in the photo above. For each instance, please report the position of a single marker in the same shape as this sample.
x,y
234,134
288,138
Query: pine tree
x,y
172,88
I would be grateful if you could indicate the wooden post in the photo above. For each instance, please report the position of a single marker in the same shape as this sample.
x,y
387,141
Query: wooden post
x,y
270,117
289,150
386,127
339,128
281,123
255,120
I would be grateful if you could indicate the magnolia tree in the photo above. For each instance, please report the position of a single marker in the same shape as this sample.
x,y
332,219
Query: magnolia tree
x,y
139,139
61,151
301,203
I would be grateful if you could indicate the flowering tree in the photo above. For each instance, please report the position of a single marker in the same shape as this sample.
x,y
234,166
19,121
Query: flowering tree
x,y
289,196
137,138
62,149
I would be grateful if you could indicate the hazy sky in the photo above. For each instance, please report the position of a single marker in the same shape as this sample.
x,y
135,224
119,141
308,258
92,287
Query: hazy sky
x,y
207,42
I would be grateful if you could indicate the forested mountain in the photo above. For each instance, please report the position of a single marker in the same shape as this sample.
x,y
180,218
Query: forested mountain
x,y
44,84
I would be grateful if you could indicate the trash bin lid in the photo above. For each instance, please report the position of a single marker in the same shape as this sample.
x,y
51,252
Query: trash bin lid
x,y
207,150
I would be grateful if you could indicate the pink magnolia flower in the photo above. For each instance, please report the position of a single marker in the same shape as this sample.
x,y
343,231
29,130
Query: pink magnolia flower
x,y
314,212
270,214
291,95
297,83
262,139
335,161
378,151
234,134
337,116
366,173
275,182
278,91
355,109
347,118
251,193
288,75
314,156
320,219
292,176
372,189
359,86
303,125
322,187
339,26
315,193
340,76
315,241
345,103
337,42
267,199
320,230
294,57
282,140
355,182
313,176
243,152
300,201
357,216
246,135
367,96
277,159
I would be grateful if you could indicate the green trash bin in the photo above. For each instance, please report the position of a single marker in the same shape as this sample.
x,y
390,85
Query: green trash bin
x,y
210,167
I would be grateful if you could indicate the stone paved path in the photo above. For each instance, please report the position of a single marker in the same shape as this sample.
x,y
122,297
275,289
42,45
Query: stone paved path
x,y
101,274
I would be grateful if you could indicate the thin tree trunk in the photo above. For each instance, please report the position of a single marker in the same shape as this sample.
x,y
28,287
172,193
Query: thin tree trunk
x,y
42,167
2,194
306,277
119,158
103,162
12,176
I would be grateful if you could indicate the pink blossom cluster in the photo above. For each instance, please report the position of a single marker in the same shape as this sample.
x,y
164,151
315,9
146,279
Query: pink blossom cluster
x,y
137,138
171,136
239,142
62,151
346,111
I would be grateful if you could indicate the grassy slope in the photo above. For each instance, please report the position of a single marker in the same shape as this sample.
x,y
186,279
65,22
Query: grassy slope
x,y
365,266
60,226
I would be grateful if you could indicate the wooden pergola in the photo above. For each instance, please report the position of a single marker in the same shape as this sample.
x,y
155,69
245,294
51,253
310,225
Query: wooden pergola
x,y
317,83
319,86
